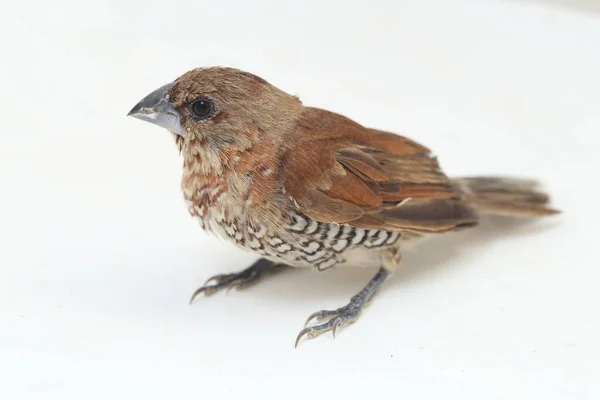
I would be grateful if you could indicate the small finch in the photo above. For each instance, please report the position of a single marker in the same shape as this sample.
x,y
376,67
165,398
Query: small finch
x,y
305,187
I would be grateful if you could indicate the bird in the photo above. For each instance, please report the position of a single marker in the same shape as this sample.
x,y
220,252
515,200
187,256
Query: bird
x,y
303,187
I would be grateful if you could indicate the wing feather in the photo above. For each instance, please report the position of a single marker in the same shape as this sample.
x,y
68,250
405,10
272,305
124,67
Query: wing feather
x,y
341,172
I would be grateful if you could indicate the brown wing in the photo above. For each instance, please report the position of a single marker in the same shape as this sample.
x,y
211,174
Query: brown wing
x,y
340,172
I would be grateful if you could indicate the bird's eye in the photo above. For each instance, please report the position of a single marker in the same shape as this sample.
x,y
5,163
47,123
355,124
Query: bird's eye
x,y
201,108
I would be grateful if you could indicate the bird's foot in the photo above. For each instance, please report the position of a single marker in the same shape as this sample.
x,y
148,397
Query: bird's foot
x,y
238,280
335,319
345,315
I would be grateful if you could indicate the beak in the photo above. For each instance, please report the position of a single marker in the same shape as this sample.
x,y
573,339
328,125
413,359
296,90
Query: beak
x,y
156,108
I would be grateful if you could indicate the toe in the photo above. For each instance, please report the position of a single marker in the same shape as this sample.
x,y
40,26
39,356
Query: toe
x,y
316,315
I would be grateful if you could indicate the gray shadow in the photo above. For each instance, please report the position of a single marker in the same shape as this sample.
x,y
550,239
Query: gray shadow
x,y
424,261
583,6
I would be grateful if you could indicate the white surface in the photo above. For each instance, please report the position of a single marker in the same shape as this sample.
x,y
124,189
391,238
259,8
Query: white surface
x,y
98,256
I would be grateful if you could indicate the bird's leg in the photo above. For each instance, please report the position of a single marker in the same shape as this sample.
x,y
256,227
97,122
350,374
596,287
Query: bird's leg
x,y
347,314
239,280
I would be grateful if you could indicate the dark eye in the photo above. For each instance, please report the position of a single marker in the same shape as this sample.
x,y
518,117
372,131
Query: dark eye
x,y
202,108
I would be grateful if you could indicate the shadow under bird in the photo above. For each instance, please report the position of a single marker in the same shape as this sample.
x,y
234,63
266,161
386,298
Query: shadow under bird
x,y
305,187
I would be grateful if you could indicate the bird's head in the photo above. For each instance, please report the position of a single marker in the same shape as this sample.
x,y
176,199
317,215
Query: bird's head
x,y
217,109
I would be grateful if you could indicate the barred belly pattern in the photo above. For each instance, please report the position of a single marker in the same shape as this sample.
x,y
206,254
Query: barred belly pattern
x,y
305,242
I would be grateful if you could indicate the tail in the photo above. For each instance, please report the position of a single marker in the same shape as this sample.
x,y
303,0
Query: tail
x,y
505,196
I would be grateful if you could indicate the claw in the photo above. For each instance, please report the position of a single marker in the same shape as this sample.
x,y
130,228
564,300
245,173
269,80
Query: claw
x,y
324,314
237,280
196,293
212,278
318,315
207,290
336,323
316,330
312,332
302,333
334,319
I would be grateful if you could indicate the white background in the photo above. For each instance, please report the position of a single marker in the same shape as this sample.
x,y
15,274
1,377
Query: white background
x,y
98,256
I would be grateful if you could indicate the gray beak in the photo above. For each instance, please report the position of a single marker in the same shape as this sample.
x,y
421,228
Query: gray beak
x,y
156,108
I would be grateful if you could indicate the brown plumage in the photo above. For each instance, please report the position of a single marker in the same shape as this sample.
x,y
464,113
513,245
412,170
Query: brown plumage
x,y
302,186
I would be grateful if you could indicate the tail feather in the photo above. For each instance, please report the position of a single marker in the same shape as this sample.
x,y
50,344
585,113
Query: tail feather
x,y
505,196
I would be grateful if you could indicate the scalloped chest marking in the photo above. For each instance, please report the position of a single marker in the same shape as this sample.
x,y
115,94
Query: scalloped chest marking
x,y
303,241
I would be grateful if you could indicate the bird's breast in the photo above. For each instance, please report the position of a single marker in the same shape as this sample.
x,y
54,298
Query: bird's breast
x,y
275,229
294,239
